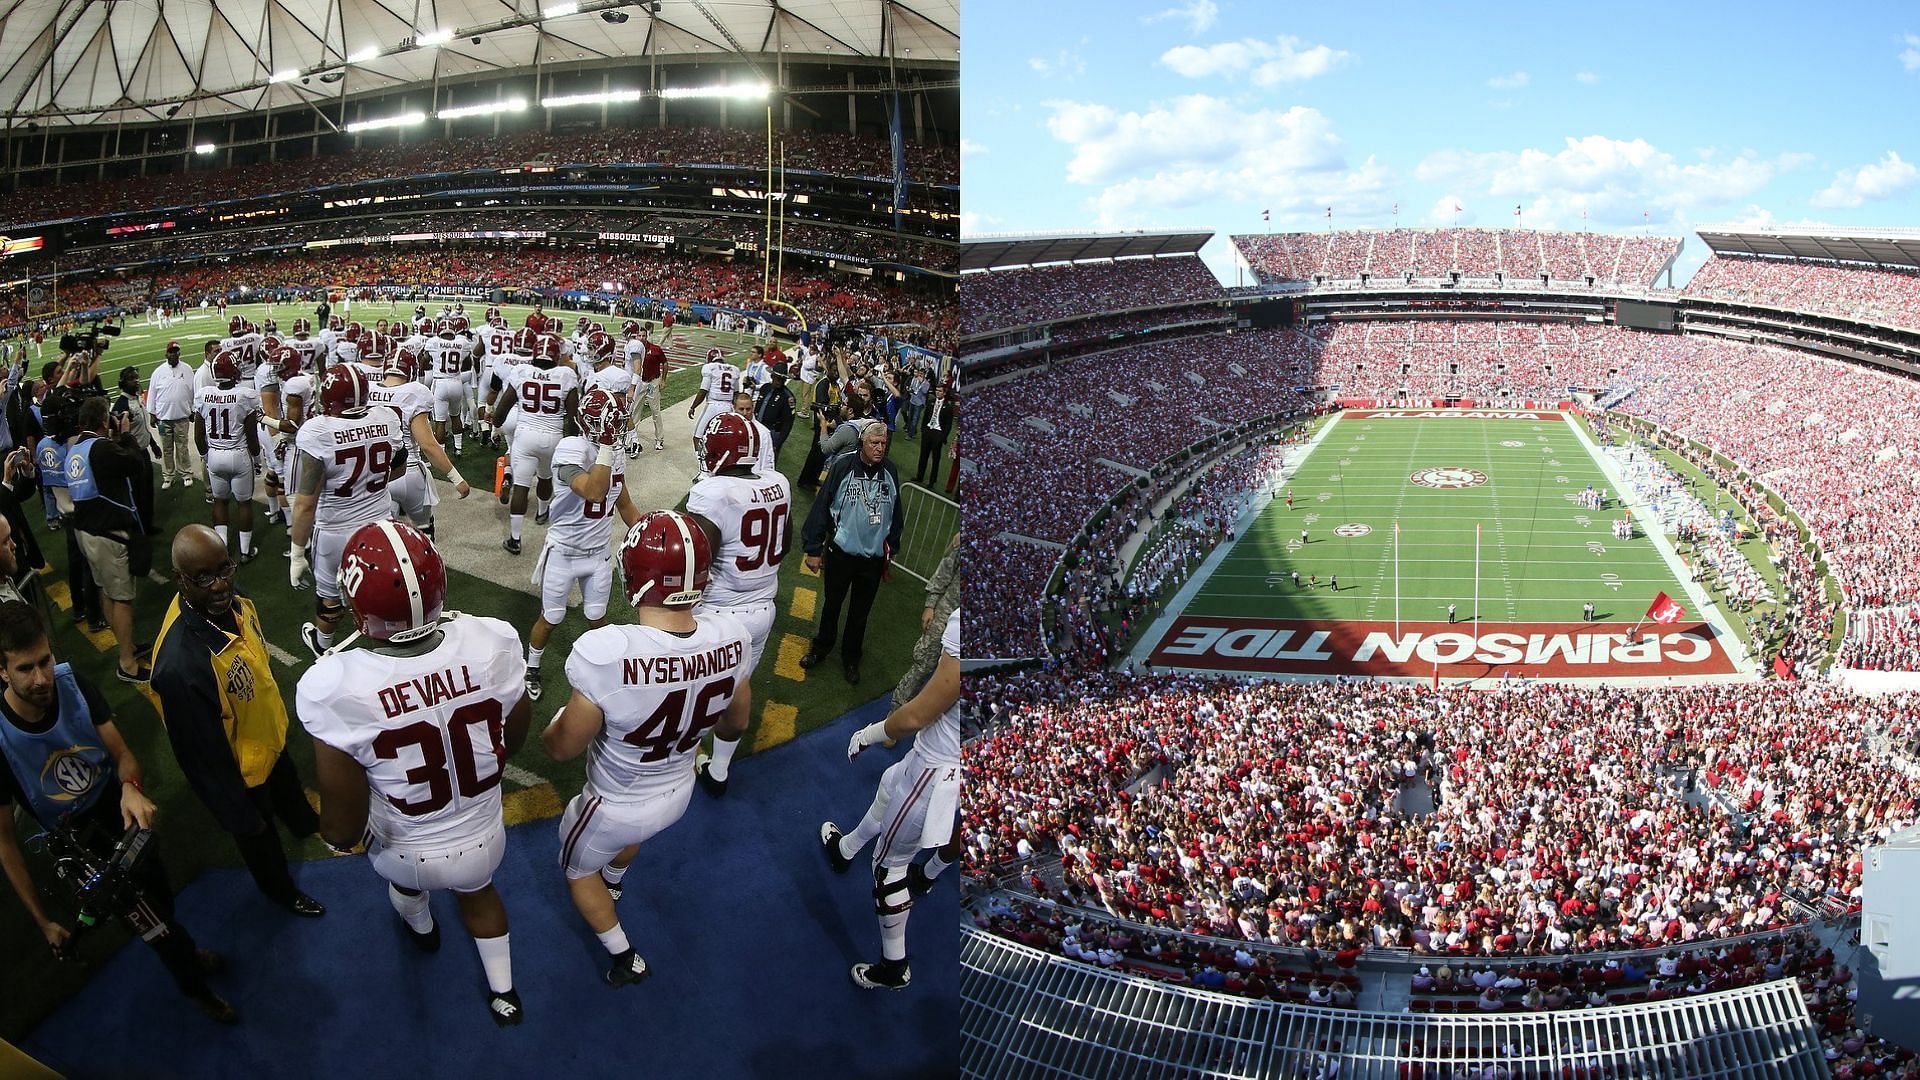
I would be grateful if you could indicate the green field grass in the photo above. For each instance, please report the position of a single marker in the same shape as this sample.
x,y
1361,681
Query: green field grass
x,y
1541,555
787,701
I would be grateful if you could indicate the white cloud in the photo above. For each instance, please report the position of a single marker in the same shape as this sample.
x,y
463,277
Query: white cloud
x,y
1910,56
1882,179
1587,77
973,223
969,148
1067,64
1198,151
1614,181
1200,15
1443,212
1510,82
1269,63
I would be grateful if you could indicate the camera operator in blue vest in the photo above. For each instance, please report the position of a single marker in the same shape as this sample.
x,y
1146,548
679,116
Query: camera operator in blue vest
x,y
64,762
102,474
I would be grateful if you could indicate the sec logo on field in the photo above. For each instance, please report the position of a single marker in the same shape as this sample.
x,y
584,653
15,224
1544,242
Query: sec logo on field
x,y
1449,478
1352,529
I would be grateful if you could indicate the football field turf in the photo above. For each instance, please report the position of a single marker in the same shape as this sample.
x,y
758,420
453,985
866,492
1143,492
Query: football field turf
x,y
1510,482
788,701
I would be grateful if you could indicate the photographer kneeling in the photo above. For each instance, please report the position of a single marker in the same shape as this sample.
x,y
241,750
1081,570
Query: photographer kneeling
x,y
65,762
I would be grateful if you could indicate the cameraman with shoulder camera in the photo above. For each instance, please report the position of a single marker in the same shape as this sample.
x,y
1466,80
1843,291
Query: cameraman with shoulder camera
x,y
63,761
101,473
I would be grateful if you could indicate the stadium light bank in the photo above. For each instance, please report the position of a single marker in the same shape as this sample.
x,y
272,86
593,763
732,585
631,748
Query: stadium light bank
x,y
744,92
402,120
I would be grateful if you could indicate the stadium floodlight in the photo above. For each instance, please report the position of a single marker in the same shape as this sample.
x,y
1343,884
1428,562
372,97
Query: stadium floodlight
x,y
401,120
435,39
560,10
513,104
371,52
591,99
742,92
283,76
204,148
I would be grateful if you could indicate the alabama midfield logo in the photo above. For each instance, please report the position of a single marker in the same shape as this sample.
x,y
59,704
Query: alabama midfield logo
x,y
1449,478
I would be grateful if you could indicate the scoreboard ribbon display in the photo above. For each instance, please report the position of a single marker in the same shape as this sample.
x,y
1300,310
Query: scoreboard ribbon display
x,y
15,245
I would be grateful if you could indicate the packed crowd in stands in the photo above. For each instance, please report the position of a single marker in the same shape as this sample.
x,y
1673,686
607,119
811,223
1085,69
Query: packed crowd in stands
x,y
841,154
1201,517
1070,335
1520,255
1000,299
1562,823
1481,361
686,278
1884,639
1856,292
1839,442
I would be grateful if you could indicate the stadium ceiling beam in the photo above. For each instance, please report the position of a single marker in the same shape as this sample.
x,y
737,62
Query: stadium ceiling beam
x,y
52,37
732,41
796,17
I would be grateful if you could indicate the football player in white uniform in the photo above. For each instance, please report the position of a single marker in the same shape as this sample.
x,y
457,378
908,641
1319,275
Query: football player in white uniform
x,y
224,415
293,393
718,379
743,408
425,718
400,390
607,372
643,695
648,363
915,807
546,392
749,525
592,473
446,354
345,457
495,341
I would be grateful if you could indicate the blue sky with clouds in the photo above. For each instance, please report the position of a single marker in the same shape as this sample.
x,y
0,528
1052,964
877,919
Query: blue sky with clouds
x,y
1203,113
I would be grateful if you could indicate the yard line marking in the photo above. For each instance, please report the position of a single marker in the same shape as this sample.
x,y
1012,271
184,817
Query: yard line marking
x,y
281,654
776,725
525,778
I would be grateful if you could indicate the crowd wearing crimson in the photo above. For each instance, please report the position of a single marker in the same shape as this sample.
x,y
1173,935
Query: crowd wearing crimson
x,y
1855,292
1000,299
850,156
1389,255
1561,825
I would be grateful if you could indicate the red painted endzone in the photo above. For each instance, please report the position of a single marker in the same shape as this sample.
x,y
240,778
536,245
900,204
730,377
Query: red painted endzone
x,y
1531,650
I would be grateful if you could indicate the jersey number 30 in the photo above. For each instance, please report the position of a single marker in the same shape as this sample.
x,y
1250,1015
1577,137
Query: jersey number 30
x,y
433,772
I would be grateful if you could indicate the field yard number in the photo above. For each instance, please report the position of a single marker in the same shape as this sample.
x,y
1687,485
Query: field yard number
x,y
1334,479
1611,581
1324,496
1293,545
1513,443
1596,547
1346,461
1553,462
1582,519
1310,519
1559,479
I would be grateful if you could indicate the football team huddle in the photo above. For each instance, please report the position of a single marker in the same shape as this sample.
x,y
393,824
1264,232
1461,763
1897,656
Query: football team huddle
x,y
415,712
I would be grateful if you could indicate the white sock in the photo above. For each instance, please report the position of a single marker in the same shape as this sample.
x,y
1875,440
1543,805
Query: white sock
x,y
614,940
539,506
533,657
514,522
613,873
459,443
497,960
722,754
326,637
934,866
413,909
221,532
246,541
893,936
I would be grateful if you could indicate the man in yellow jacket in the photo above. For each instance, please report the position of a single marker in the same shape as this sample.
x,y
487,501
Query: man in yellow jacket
x,y
213,685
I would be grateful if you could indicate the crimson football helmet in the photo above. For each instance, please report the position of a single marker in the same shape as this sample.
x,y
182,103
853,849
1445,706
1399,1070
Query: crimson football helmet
x,y
375,348
459,323
343,391
405,363
355,332
582,324
270,327
443,327
494,318
599,347
666,560
302,327
731,439
394,581
550,350
602,417
236,326
419,311
630,328
715,354
289,361
336,324
526,342
226,366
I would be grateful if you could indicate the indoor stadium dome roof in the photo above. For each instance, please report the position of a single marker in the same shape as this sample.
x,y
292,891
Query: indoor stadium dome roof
x,y
131,61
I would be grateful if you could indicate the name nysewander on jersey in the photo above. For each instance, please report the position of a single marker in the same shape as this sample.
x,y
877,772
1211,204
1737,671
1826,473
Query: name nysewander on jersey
x,y
429,729
751,514
660,693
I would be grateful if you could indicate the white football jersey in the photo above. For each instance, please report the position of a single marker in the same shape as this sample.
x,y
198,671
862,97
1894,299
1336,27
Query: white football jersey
x,y
577,525
447,356
407,401
542,394
225,412
247,348
616,379
751,513
355,454
636,352
429,729
939,742
311,350
495,343
660,693
300,386
719,379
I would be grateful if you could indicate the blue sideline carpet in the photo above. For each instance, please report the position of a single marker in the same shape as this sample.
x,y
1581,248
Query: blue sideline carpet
x,y
748,931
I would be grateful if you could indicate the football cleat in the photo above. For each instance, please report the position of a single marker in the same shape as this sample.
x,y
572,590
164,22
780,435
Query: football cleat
x,y
708,784
505,1007
510,546
885,975
659,444
545,513
427,942
614,888
533,684
310,634
830,843
248,556
627,968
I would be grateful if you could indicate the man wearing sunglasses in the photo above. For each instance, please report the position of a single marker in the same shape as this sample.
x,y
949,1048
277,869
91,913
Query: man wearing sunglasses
x,y
214,689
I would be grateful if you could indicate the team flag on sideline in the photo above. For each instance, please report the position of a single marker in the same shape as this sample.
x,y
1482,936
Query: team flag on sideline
x,y
1664,609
